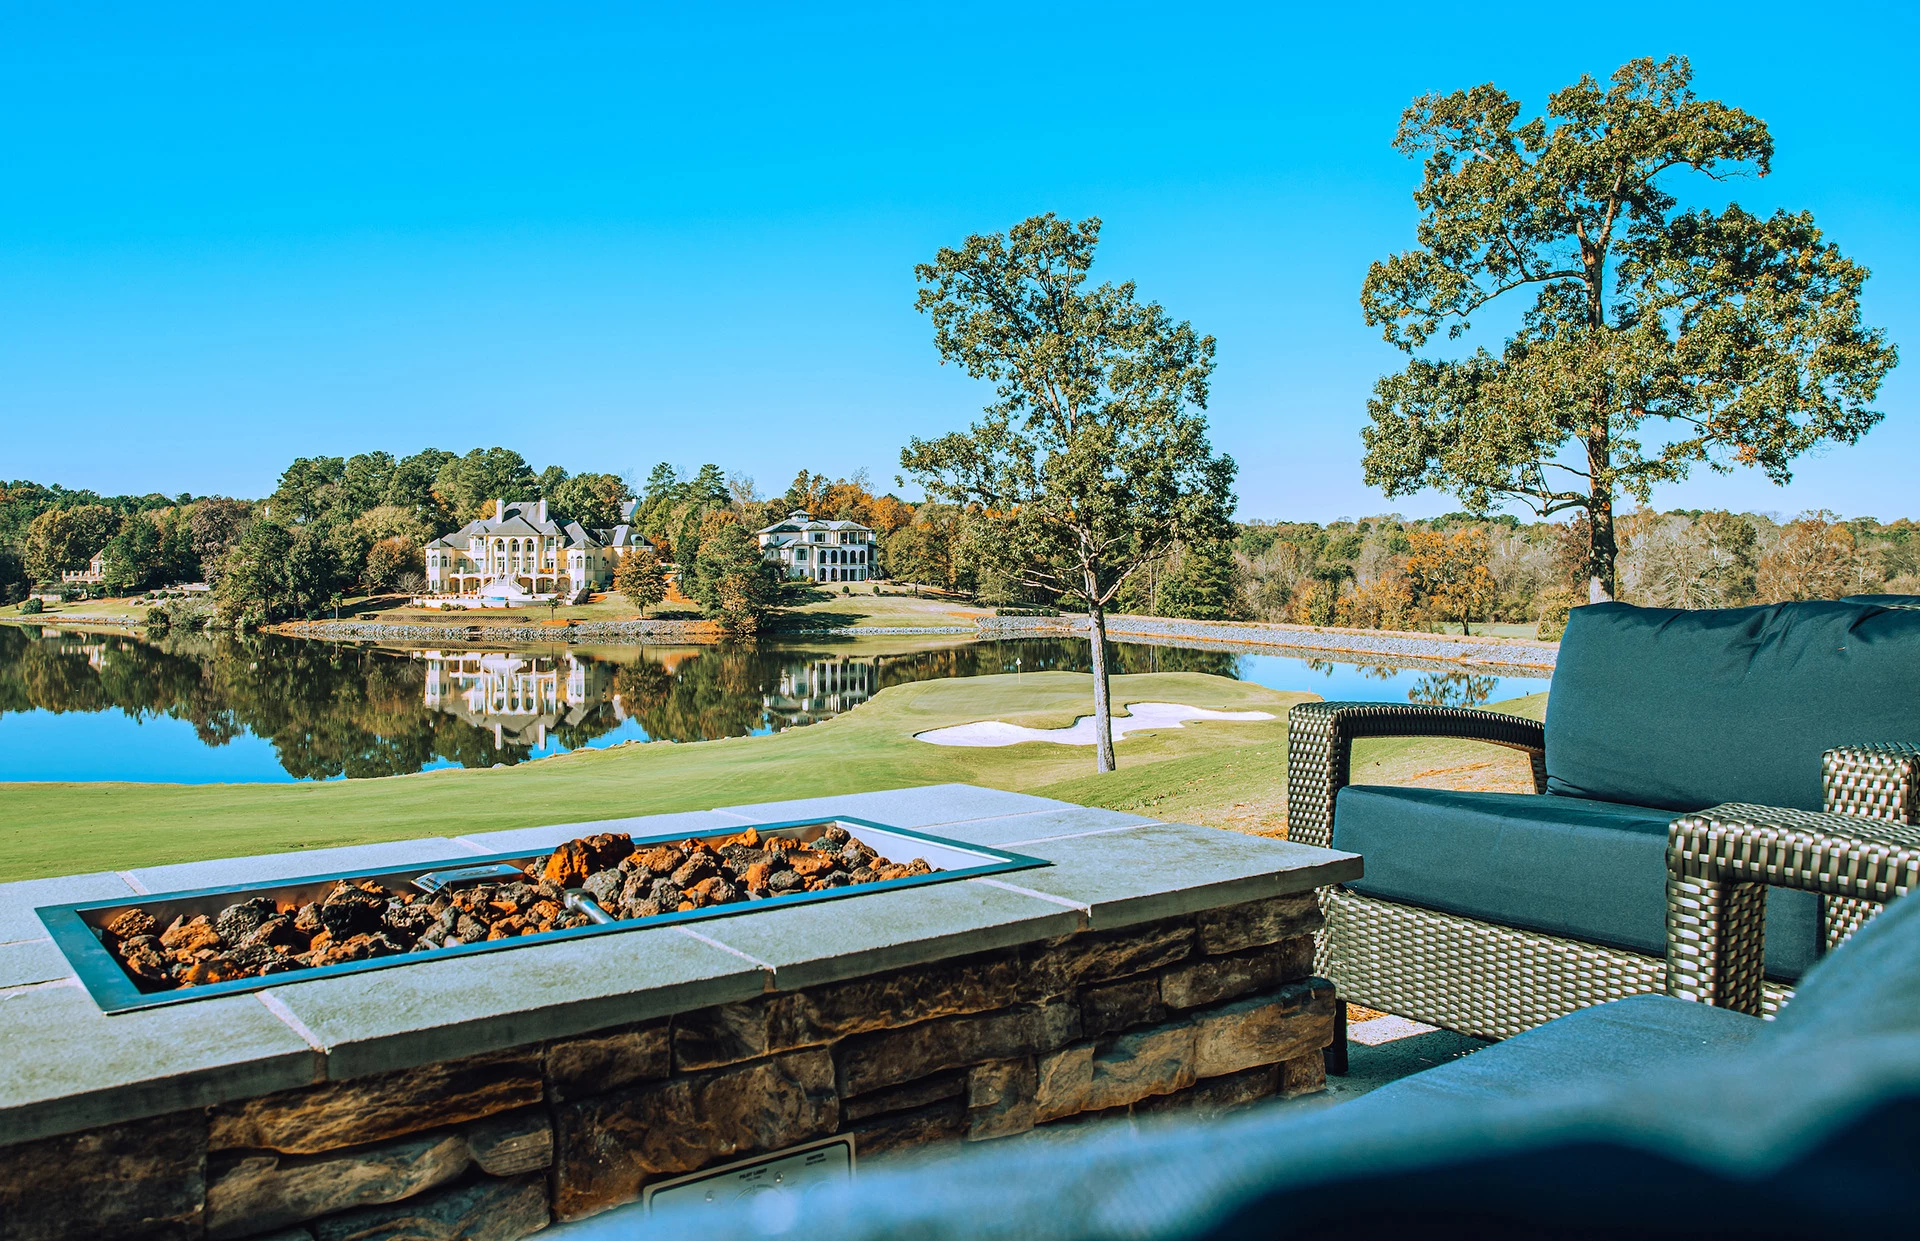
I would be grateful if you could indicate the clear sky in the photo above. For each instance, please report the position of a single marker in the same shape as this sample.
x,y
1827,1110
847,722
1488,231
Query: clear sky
x,y
607,236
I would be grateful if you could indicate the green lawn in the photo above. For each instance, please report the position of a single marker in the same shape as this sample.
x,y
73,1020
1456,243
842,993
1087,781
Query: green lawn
x,y
109,610
1225,774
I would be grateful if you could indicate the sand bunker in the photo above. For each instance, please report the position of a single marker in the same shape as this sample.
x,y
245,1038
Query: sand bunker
x,y
1140,716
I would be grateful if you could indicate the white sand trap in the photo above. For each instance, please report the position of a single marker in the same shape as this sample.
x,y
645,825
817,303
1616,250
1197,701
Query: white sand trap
x,y
1140,716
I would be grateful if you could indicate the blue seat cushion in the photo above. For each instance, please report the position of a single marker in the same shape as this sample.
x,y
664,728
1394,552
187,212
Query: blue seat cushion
x,y
1569,866
1869,985
1587,1047
1682,710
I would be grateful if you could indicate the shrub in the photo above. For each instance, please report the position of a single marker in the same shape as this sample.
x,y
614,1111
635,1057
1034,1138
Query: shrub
x,y
157,618
32,607
1026,611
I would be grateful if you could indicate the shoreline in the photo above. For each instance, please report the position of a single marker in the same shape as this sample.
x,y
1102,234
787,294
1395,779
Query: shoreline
x,y
1495,655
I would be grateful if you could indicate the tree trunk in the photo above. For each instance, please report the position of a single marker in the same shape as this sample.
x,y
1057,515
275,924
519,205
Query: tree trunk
x,y
1600,549
1102,704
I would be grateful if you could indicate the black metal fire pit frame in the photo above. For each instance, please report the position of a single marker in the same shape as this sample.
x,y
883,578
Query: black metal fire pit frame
x,y
75,928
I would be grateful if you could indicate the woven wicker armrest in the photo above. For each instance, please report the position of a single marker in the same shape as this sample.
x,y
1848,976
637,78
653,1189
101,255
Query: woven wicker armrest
x,y
1720,862
1873,781
1320,737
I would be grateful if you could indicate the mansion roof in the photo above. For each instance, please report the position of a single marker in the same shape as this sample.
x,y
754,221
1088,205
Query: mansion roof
x,y
528,519
800,522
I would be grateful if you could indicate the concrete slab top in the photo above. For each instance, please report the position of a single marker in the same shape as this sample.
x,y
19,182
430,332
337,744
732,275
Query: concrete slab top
x,y
69,1066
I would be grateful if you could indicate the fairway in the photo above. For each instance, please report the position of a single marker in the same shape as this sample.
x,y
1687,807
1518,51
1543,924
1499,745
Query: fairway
x,y
1218,773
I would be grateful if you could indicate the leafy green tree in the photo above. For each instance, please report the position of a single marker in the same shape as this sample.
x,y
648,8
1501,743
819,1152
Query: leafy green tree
x,y
732,582
1094,459
368,479
593,500
469,484
1657,339
277,571
1206,586
136,557
60,539
311,489
641,578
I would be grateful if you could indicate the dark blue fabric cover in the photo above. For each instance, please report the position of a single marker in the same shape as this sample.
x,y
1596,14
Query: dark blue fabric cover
x,y
1585,869
1586,1046
1870,985
1683,710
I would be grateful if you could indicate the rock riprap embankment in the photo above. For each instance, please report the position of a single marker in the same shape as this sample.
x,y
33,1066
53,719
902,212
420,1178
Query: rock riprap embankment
x,y
362,919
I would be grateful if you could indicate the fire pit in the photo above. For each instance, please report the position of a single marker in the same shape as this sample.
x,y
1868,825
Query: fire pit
x,y
180,946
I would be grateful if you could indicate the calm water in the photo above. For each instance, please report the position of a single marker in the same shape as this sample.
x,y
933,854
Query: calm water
x,y
200,710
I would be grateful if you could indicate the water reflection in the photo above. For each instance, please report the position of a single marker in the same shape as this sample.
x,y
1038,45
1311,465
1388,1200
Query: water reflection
x,y
194,708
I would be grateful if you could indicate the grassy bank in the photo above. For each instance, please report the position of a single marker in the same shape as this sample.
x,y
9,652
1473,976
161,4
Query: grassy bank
x,y
1225,774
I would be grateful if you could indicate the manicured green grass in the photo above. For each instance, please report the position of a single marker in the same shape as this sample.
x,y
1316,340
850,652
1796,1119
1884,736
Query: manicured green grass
x,y
824,607
81,610
1223,774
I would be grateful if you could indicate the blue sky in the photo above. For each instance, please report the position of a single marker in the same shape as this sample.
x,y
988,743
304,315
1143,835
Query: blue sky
x,y
607,236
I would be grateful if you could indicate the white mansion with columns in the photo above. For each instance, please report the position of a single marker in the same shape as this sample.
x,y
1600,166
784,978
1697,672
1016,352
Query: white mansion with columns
x,y
520,553
826,551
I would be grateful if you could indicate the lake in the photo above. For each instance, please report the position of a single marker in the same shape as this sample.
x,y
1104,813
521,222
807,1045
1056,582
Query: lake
x,y
195,709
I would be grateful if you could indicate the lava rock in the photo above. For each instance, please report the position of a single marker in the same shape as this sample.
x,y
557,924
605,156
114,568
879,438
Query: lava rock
x,y
572,862
236,922
348,912
605,887
185,938
131,924
659,860
714,891
144,960
786,881
408,921
694,871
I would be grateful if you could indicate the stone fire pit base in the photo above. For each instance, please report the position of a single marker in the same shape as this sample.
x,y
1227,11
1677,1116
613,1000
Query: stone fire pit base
x,y
1201,1009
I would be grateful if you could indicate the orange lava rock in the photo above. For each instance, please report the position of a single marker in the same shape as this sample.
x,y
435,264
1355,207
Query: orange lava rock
x,y
184,938
660,860
811,863
131,923
756,876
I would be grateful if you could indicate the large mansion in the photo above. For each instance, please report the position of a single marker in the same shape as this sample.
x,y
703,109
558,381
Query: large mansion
x,y
826,551
520,552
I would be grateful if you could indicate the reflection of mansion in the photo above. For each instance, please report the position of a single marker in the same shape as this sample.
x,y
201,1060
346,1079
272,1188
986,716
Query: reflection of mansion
x,y
518,696
520,554
821,689
826,551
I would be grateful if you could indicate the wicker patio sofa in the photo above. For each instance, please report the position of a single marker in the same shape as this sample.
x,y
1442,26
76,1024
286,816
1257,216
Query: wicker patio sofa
x,y
1648,1117
1491,913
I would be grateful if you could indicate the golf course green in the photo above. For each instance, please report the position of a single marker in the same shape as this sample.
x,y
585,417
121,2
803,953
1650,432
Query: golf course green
x,y
1224,774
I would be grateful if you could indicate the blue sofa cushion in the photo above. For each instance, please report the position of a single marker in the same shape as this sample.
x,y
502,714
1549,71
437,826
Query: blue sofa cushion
x,y
1870,985
1683,710
1587,1047
1585,869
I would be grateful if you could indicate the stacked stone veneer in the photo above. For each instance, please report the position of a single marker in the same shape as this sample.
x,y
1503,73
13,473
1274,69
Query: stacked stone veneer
x,y
1204,1013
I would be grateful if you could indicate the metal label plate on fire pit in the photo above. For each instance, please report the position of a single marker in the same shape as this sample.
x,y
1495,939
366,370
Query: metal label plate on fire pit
x,y
773,1181
77,928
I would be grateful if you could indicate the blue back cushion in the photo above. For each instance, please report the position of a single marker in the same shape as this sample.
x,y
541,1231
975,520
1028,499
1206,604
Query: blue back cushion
x,y
1683,710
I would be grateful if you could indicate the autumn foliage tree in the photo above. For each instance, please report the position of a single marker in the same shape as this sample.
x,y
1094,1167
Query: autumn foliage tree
x,y
1449,574
641,578
1658,337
